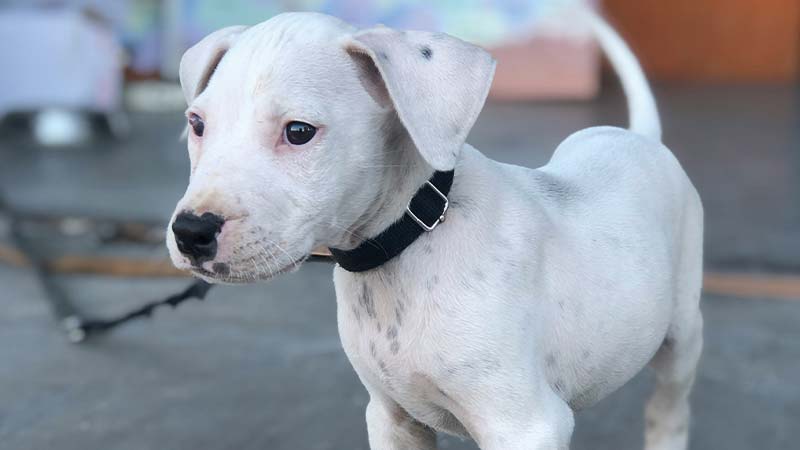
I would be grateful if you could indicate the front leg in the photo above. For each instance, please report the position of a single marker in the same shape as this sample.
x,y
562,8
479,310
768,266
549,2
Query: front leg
x,y
391,428
524,422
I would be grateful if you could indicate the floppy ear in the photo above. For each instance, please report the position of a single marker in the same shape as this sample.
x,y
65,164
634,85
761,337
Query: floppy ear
x,y
200,61
436,83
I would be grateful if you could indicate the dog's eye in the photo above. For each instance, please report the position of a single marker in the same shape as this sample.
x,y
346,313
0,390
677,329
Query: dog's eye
x,y
299,133
197,124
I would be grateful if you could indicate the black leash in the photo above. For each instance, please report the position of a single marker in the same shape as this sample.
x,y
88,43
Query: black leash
x,y
77,325
82,327
197,289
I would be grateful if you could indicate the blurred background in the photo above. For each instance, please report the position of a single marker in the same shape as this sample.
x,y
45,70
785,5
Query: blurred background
x,y
91,166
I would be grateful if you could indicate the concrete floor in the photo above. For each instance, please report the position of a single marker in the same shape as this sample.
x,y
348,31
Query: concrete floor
x,y
261,366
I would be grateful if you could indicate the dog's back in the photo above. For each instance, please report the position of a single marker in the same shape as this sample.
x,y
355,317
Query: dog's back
x,y
610,233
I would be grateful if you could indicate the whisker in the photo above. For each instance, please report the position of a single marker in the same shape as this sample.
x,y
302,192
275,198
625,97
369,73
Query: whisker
x,y
382,166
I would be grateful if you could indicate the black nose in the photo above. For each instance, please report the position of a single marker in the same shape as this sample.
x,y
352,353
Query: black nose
x,y
196,236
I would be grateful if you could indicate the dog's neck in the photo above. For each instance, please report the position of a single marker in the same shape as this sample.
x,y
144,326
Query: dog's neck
x,y
402,172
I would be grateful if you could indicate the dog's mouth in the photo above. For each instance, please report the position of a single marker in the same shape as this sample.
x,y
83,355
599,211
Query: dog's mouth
x,y
227,274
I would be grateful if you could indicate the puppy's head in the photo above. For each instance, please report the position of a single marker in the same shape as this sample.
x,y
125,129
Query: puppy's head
x,y
302,130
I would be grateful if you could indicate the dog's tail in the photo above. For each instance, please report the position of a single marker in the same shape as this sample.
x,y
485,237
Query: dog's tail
x,y
642,108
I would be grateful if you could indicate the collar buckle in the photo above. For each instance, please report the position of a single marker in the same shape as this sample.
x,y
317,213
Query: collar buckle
x,y
425,211
441,217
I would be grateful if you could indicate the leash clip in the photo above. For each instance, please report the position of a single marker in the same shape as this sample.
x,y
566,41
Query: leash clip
x,y
441,218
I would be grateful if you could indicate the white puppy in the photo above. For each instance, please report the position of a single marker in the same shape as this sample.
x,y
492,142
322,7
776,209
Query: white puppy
x,y
543,291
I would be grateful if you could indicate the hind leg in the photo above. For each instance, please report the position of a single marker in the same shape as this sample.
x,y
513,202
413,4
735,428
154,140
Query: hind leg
x,y
675,364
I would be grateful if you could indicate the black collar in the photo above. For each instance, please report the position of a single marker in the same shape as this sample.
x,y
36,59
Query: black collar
x,y
424,212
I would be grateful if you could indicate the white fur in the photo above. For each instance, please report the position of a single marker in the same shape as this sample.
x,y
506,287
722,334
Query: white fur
x,y
543,291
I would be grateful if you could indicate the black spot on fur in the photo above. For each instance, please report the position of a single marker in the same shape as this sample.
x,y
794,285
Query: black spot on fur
x,y
556,188
221,268
426,52
366,301
395,347
398,316
550,360
432,282
356,314
385,376
391,333
383,56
